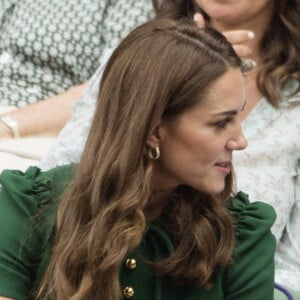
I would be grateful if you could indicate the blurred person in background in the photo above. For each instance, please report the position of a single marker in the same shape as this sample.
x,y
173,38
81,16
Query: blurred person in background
x,y
48,50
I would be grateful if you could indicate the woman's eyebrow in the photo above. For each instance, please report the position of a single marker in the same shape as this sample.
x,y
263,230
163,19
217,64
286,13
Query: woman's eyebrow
x,y
231,112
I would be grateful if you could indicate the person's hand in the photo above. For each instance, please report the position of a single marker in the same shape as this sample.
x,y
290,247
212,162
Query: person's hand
x,y
237,38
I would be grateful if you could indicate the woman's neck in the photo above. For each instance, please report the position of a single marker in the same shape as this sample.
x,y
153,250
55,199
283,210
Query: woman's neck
x,y
155,206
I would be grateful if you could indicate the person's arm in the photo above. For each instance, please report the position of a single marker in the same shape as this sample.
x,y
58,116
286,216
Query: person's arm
x,y
251,274
64,150
46,117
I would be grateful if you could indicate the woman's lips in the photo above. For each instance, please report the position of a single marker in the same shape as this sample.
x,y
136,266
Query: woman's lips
x,y
224,167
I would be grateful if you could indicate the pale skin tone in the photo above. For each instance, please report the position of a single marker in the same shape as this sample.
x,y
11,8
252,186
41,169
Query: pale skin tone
x,y
46,117
196,149
236,18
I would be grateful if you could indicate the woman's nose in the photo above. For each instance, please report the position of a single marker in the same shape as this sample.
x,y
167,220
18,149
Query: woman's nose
x,y
237,143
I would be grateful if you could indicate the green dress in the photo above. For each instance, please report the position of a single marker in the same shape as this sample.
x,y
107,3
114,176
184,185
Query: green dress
x,y
26,230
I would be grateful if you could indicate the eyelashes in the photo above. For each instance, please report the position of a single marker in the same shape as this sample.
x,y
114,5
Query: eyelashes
x,y
223,123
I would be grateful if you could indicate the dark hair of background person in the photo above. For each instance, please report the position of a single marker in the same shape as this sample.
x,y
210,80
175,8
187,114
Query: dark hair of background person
x,y
280,45
101,218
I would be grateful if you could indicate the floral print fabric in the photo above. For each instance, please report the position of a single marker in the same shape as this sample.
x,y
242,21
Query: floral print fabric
x,y
268,170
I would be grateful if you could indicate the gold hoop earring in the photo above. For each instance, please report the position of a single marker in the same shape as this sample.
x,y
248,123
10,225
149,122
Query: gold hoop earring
x,y
154,153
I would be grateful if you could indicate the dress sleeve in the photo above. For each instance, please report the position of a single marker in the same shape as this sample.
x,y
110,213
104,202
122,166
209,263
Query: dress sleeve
x,y
251,275
24,199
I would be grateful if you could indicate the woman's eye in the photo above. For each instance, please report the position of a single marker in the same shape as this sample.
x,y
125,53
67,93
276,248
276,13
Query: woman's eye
x,y
223,123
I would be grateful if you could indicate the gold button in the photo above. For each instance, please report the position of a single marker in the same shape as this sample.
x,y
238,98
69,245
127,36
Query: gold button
x,y
130,263
128,292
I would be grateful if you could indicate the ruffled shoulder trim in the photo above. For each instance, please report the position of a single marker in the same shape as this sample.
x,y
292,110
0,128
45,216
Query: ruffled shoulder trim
x,y
251,274
27,216
40,187
249,217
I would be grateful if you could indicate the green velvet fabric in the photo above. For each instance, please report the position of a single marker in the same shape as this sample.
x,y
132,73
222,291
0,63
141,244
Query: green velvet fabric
x,y
27,215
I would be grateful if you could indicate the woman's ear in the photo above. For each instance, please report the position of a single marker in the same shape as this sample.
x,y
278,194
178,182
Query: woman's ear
x,y
155,136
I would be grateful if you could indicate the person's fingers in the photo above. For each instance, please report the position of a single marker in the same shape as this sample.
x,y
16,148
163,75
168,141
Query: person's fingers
x,y
242,51
235,37
238,36
199,20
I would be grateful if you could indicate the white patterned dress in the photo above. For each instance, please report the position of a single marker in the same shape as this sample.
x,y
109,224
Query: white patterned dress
x,y
269,171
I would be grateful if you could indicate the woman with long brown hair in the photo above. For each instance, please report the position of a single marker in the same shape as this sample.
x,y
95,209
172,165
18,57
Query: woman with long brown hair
x,y
149,212
270,172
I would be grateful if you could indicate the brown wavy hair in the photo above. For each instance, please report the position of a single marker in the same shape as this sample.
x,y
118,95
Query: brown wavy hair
x,y
160,69
279,48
